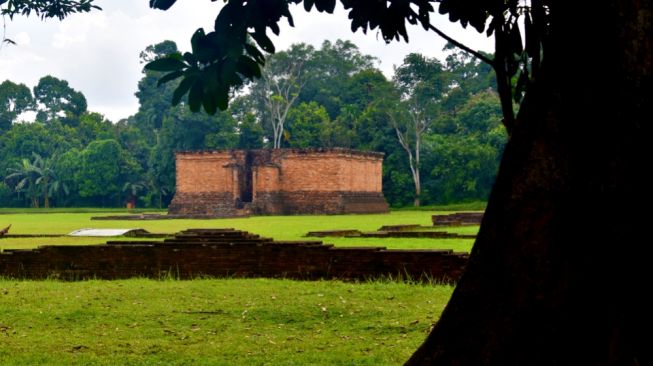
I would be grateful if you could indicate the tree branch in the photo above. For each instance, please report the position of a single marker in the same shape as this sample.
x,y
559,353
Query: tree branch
x,y
503,80
476,54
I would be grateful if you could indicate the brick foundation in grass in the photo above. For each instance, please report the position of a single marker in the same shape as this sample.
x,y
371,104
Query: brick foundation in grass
x,y
458,219
229,253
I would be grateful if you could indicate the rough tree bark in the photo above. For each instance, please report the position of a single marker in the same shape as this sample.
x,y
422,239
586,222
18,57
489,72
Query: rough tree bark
x,y
558,274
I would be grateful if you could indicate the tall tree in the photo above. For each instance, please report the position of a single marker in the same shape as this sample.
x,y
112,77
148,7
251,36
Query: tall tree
x,y
24,139
250,132
67,167
534,289
56,99
154,99
307,123
361,96
14,100
36,178
158,129
105,168
22,177
331,67
422,84
469,76
47,181
280,85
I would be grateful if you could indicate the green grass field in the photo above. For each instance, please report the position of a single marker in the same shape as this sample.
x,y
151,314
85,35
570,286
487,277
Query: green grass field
x,y
217,321
214,322
277,227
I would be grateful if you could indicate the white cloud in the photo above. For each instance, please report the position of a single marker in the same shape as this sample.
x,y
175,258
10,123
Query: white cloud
x,y
98,53
22,39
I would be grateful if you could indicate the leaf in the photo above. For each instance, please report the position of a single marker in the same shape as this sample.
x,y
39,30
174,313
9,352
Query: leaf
x,y
166,64
255,53
162,4
222,99
227,70
248,67
195,40
274,27
196,95
325,5
291,21
356,23
209,104
263,41
190,58
169,77
478,24
308,4
182,89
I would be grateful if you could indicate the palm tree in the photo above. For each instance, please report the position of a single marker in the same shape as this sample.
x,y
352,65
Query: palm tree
x,y
55,188
23,178
47,181
36,178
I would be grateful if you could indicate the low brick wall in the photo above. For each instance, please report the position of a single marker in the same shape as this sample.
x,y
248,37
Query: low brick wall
x,y
458,219
198,253
307,202
214,204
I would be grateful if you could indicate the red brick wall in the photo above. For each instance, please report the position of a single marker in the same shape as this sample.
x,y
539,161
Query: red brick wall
x,y
330,171
283,181
266,179
286,260
210,171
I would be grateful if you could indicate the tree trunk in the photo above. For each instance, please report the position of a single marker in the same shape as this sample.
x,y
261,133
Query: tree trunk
x,y
557,275
46,198
418,186
416,176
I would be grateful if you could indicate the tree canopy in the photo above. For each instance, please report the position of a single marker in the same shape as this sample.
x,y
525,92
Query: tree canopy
x,y
46,8
14,100
221,60
343,102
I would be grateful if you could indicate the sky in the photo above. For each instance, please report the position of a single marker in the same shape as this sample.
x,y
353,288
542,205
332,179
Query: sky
x,y
98,52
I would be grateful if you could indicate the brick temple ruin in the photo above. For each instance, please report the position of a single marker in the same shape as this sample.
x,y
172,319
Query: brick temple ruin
x,y
280,181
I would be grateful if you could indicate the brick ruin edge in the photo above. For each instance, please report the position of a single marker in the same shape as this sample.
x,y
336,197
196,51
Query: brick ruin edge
x,y
275,182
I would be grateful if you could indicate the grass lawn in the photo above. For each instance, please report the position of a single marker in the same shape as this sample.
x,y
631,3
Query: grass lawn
x,y
277,227
217,321
214,322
